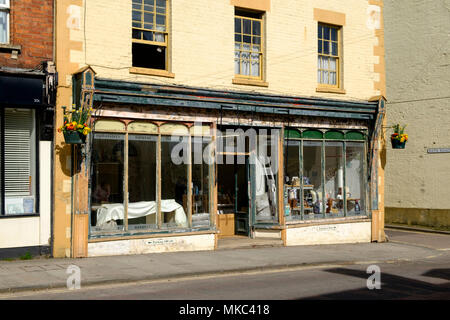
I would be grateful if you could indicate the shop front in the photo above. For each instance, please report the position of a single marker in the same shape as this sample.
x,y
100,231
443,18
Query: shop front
x,y
170,168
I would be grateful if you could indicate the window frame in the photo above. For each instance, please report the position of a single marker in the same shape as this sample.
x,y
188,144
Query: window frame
x,y
6,8
158,181
166,43
338,57
36,212
240,14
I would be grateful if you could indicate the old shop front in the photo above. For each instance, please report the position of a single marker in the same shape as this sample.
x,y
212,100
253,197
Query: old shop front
x,y
170,168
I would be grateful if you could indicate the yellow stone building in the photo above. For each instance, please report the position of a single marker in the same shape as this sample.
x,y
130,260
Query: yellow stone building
x,y
219,118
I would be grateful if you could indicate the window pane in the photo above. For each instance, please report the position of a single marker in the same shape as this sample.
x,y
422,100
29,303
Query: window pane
x,y
334,178
20,161
257,40
237,25
319,46
149,2
333,78
142,209
161,3
201,166
266,168
334,48
255,65
147,36
137,34
160,19
326,33
247,26
174,181
238,38
247,39
326,47
319,30
107,201
332,65
333,34
292,182
312,176
148,17
256,28
354,178
137,15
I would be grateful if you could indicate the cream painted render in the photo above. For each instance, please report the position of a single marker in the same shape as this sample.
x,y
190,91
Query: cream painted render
x,y
418,93
291,46
329,234
152,245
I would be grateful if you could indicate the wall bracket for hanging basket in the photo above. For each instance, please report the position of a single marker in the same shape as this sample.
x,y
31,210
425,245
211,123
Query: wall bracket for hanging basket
x,y
74,137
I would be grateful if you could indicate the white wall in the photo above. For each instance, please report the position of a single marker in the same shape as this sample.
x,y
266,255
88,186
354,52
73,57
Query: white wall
x,y
32,231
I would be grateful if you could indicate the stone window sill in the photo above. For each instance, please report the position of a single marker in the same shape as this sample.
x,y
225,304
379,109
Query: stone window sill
x,y
152,72
330,90
14,49
250,82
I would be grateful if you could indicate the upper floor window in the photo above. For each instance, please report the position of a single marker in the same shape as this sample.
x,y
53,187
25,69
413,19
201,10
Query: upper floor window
x,y
150,34
4,21
248,39
328,55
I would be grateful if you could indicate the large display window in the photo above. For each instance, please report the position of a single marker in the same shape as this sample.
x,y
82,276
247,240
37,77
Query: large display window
x,y
325,174
153,165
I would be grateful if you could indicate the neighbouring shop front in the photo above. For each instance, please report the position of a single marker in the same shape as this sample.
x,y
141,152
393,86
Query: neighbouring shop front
x,y
27,99
170,168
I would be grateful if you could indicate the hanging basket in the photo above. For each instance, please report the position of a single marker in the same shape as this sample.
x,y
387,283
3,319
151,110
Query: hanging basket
x,y
396,144
74,137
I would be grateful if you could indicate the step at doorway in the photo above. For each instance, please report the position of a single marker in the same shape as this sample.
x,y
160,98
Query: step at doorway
x,y
241,242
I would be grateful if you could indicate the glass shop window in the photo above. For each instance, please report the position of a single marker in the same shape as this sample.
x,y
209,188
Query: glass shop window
x,y
201,171
292,180
312,175
174,181
107,188
266,175
354,177
19,160
334,179
142,181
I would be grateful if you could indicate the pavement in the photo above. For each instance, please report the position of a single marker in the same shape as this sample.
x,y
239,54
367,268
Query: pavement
x,y
44,273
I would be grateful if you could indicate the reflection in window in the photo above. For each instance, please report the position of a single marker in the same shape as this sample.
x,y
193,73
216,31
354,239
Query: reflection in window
x,y
266,172
107,181
201,170
292,176
142,181
334,178
312,177
354,177
174,179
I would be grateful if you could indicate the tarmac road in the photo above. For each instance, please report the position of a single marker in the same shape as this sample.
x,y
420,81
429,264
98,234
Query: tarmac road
x,y
419,278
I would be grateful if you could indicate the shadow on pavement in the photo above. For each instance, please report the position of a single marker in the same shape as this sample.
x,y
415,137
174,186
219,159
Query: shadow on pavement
x,y
392,287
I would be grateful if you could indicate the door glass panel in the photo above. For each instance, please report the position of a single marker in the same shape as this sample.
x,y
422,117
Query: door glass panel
x,y
312,178
266,173
107,200
354,178
201,166
174,181
142,209
334,179
292,180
